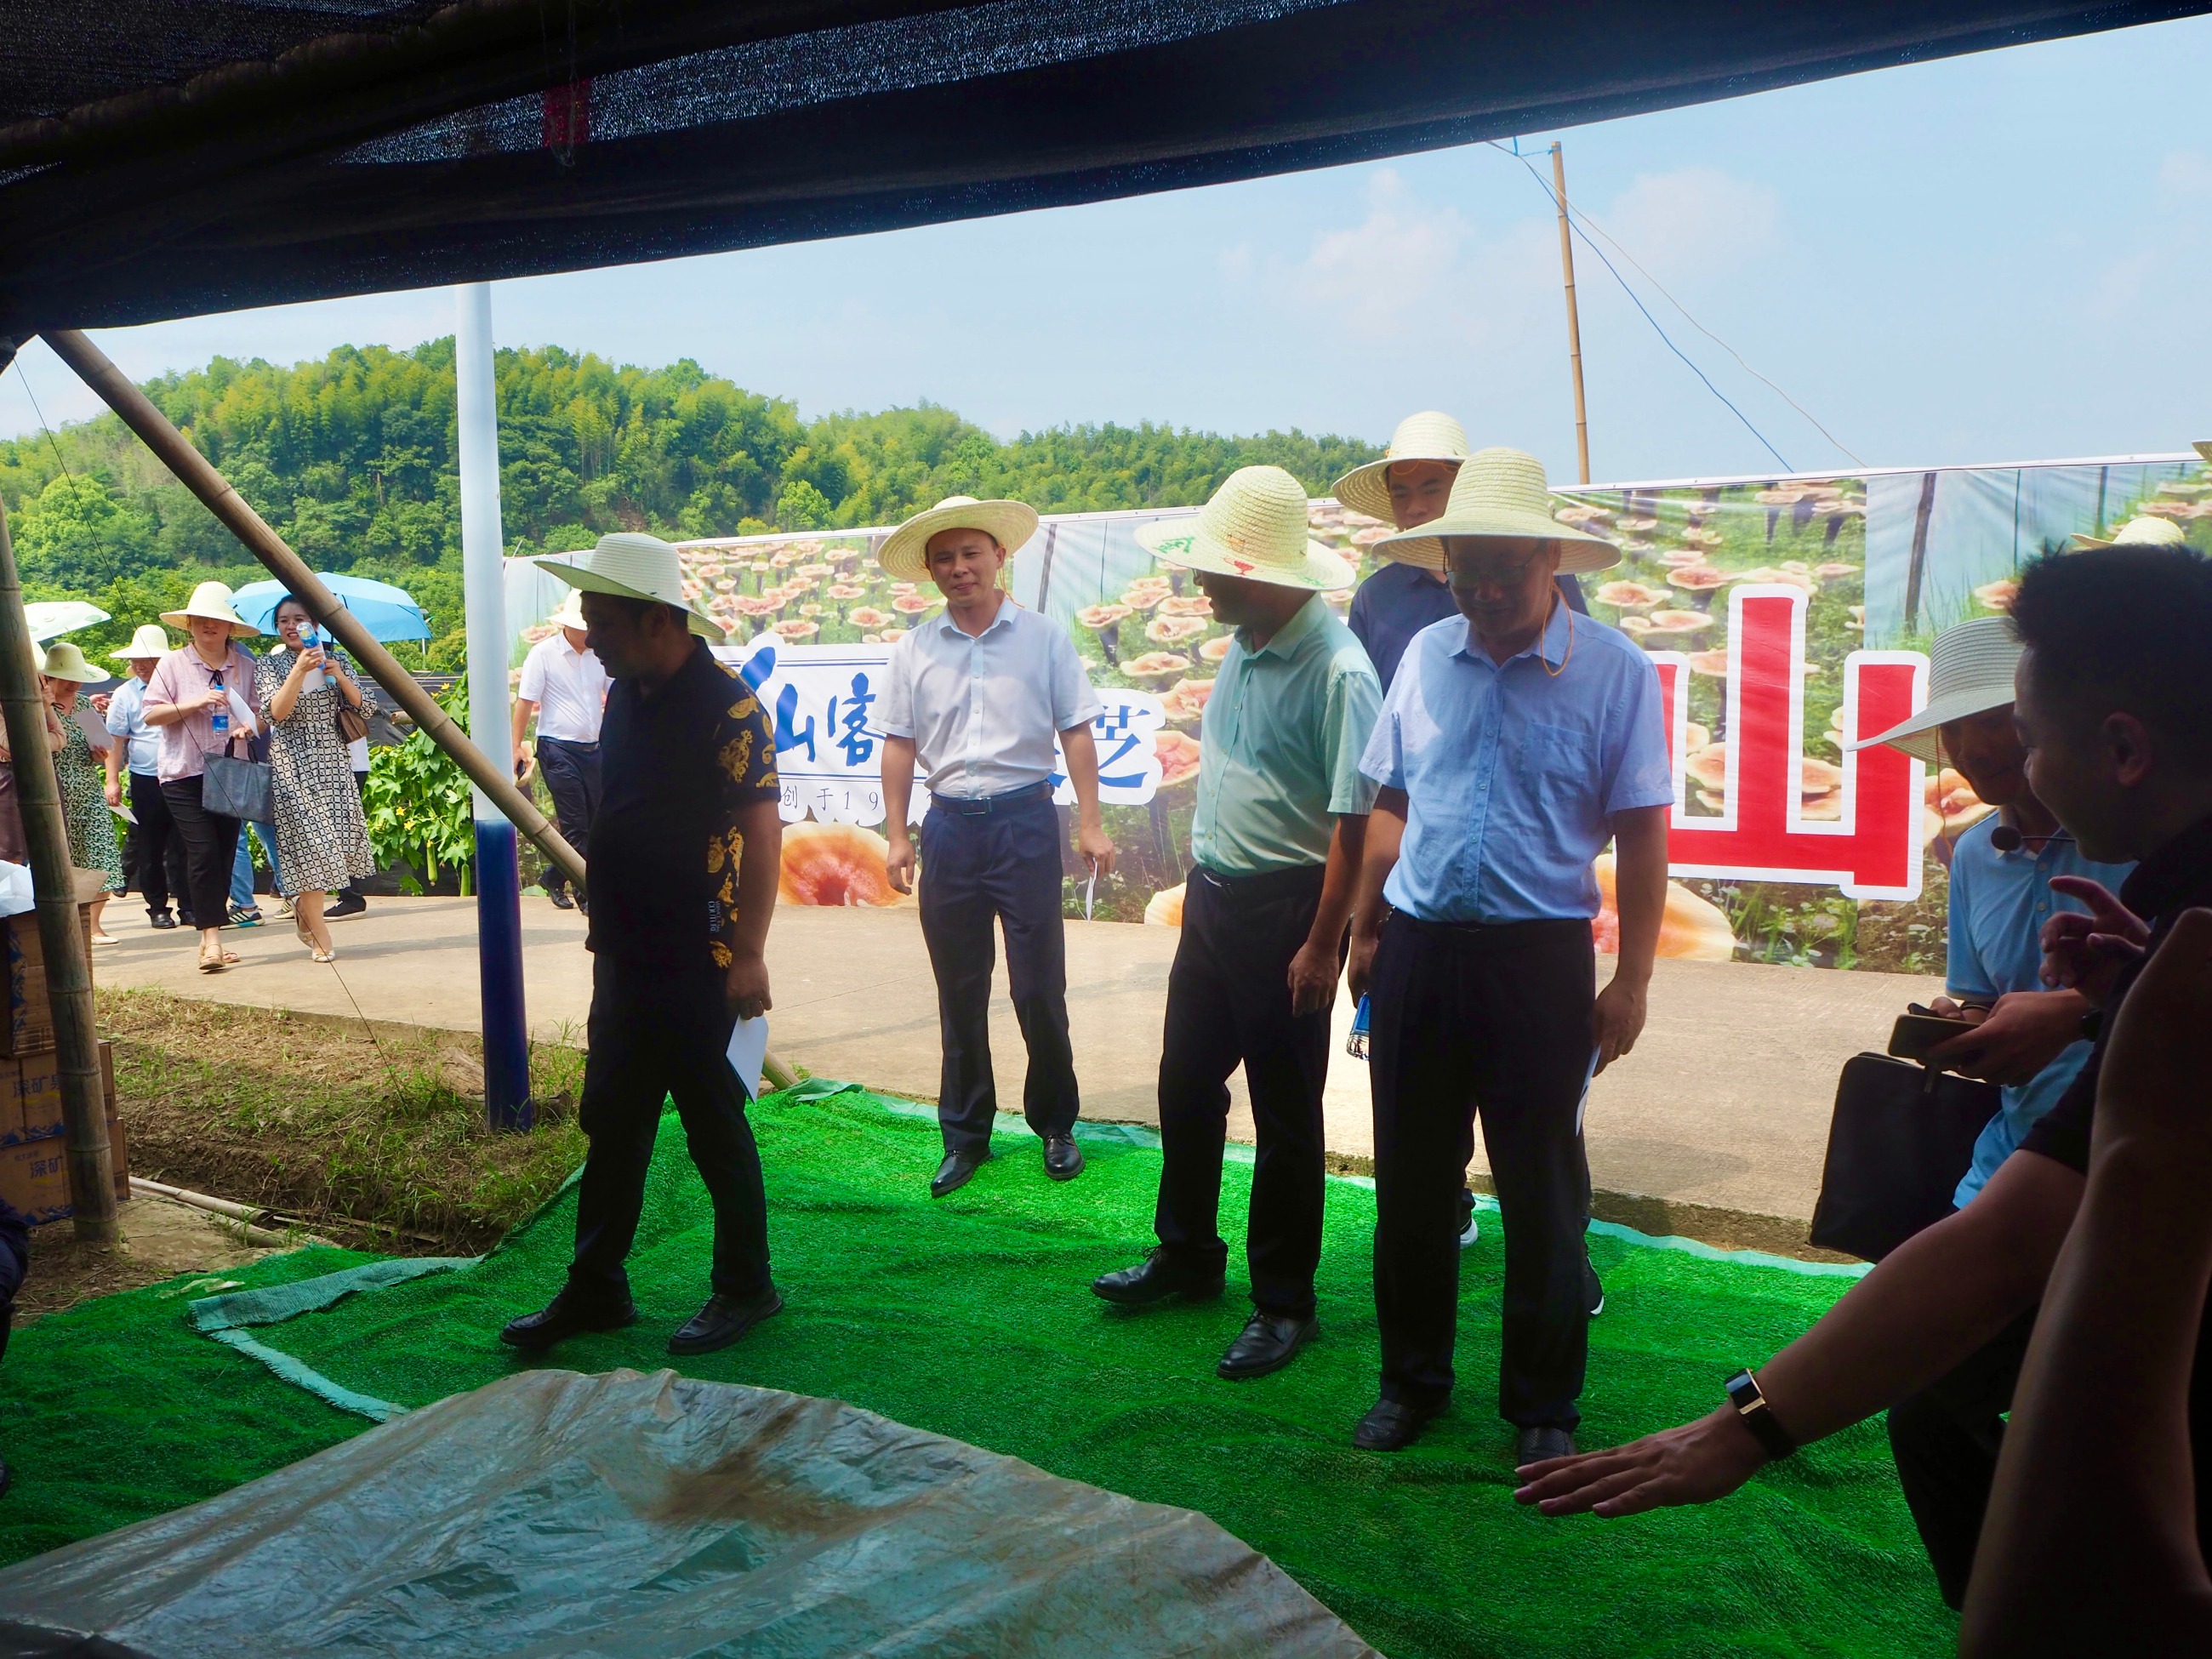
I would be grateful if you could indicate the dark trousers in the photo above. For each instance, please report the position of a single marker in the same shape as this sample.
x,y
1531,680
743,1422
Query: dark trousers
x,y
657,1033
153,852
1228,1001
980,862
211,844
572,775
1495,1020
1946,1439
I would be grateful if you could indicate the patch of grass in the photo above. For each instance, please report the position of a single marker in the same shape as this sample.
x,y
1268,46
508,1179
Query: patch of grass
x,y
334,1121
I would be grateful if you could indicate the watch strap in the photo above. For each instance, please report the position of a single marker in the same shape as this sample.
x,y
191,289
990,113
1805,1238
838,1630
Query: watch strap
x,y
1749,1403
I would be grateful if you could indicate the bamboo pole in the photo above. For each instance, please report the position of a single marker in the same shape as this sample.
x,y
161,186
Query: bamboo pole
x,y
1574,322
62,939
197,475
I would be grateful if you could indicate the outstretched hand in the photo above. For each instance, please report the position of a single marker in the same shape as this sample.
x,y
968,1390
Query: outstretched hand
x,y
1695,1463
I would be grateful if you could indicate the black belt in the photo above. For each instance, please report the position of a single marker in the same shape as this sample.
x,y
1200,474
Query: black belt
x,y
1267,884
1501,932
976,806
572,743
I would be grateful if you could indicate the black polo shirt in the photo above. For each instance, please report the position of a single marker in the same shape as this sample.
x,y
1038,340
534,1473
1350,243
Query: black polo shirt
x,y
2178,877
674,770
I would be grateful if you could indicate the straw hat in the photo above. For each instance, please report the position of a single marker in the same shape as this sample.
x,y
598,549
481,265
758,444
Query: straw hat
x,y
1427,436
65,662
2142,530
1255,526
1970,669
148,641
904,554
571,613
212,600
1500,494
631,565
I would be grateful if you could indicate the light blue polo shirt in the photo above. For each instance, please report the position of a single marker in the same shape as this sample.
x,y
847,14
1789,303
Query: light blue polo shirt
x,y
1999,902
126,717
1513,771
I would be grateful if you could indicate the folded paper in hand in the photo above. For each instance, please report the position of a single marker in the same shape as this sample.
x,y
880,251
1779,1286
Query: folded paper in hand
x,y
748,1052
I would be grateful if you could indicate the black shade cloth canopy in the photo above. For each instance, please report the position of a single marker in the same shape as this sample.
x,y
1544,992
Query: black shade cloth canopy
x,y
165,158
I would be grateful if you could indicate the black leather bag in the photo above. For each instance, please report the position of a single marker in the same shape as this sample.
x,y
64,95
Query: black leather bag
x,y
240,789
1901,1138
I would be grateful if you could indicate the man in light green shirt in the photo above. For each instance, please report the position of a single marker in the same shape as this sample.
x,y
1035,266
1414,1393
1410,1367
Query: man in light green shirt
x,y
1277,837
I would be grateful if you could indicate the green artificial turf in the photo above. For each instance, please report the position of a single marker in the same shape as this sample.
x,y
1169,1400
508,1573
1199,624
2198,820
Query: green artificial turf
x,y
971,1316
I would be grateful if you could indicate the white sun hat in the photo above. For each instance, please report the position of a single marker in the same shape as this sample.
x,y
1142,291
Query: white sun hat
x,y
632,565
571,613
904,554
1500,495
1970,669
1254,526
210,600
2145,530
1430,435
64,661
148,641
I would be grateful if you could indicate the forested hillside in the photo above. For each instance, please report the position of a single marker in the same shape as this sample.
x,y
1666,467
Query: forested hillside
x,y
352,458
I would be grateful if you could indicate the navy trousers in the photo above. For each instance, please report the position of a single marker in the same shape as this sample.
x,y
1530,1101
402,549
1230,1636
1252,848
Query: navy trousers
x,y
572,777
997,860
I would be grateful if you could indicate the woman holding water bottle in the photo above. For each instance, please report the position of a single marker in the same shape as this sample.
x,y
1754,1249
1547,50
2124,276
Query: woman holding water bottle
x,y
193,700
306,691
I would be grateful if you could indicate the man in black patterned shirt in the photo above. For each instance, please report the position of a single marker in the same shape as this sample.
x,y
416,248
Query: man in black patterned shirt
x,y
683,873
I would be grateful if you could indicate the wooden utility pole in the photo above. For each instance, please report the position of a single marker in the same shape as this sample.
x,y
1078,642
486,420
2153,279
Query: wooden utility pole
x,y
62,942
1574,323
197,475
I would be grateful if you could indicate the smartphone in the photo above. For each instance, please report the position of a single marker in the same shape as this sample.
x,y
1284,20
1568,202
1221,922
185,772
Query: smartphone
x,y
1914,1034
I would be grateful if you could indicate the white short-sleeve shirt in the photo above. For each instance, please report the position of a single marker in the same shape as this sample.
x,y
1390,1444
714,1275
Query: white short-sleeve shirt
x,y
983,711
568,686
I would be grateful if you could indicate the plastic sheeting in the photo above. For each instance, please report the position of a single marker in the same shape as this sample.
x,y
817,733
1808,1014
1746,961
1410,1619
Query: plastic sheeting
x,y
629,1515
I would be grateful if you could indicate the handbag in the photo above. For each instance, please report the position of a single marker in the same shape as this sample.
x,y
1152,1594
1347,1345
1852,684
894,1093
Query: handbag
x,y
352,723
1901,1138
240,789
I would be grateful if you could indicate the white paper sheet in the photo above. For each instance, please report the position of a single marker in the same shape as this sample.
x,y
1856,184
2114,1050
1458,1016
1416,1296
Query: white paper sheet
x,y
241,715
749,1052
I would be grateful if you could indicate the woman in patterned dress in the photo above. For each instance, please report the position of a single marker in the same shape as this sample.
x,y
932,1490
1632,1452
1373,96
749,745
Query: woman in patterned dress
x,y
82,772
322,840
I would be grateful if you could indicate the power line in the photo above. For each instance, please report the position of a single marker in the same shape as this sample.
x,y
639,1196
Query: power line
x,y
1635,300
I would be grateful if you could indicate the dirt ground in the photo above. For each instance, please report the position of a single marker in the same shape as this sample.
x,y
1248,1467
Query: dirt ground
x,y
160,1240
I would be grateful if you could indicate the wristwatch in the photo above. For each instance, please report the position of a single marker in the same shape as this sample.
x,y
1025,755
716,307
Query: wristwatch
x,y
1743,1393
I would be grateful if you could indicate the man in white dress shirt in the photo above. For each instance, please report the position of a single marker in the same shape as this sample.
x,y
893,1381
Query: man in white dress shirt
x,y
565,687
976,696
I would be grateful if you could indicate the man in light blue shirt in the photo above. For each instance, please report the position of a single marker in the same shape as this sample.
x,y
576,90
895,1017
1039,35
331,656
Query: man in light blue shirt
x,y
1518,738
2010,873
153,852
1282,809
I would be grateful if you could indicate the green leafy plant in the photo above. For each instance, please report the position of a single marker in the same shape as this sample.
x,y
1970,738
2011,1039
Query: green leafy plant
x,y
420,812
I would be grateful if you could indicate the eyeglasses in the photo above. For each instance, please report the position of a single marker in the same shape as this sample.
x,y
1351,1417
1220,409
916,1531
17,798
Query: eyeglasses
x,y
1472,575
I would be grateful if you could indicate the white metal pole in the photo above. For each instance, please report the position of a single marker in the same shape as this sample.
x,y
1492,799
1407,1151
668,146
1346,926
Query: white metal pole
x,y
499,900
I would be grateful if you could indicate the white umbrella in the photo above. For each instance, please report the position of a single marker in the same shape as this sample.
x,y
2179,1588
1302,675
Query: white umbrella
x,y
50,618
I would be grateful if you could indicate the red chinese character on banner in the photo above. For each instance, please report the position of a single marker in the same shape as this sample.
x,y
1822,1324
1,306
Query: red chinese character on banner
x,y
1873,850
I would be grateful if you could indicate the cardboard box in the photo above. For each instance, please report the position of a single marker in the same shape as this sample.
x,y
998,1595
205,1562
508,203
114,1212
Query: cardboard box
x,y
35,1175
26,1025
30,1098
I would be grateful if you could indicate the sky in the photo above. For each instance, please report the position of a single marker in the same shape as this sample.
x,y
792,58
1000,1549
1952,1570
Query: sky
x,y
1985,258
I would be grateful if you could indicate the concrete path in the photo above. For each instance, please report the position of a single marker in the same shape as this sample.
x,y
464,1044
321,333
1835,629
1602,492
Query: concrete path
x,y
1714,1126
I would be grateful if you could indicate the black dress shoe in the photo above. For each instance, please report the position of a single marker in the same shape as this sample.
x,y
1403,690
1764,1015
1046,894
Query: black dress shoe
x,y
1392,1425
563,1317
1154,1279
723,1320
1267,1343
1063,1158
561,899
349,904
160,919
1535,1445
958,1170
1593,1291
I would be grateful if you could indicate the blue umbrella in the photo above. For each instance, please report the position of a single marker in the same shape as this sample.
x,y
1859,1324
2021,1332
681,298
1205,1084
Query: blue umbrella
x,y
388,612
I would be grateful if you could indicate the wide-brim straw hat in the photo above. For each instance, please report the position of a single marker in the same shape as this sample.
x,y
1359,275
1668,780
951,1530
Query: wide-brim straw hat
x,y
571,613
1970,672
904,554
2146,530
1500,495
633,566
1254,527
148,641
212,601
64,661
1431,435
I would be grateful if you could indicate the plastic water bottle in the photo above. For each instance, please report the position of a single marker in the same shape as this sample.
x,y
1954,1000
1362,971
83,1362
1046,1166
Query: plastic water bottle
x,y
1356,1043
311,638
218,721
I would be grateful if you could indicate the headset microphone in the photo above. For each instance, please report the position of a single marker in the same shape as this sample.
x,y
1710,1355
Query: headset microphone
x,y
2005,838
